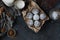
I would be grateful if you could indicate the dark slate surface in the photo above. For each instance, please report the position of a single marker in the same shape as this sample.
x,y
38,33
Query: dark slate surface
x,y
50,30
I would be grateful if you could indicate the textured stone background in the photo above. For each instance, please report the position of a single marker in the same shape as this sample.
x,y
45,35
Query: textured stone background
x,y
50,30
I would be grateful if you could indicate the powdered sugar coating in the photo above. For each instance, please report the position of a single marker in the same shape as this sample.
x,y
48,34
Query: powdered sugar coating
x,y
29,15
35,11
36,23
36,17
42,16
30,22
54,15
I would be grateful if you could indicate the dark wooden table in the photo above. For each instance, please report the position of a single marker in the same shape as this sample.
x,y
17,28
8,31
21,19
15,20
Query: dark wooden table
x,y
50,30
